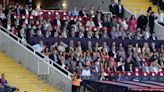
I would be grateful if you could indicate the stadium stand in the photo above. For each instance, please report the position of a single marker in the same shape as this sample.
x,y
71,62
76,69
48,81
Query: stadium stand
x,y
99,46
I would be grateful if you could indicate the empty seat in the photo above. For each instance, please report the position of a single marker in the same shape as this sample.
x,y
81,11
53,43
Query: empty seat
x,y
160,76
144,76
153,76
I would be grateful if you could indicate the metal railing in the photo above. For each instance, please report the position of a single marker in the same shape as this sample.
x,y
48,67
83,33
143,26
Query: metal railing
x,y
27,56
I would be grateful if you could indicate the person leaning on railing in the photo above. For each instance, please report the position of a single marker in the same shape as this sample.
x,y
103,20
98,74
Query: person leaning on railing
x,y
75,81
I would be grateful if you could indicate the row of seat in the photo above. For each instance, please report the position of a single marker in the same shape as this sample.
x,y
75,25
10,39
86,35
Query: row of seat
x,y
130,76
63,17
52,12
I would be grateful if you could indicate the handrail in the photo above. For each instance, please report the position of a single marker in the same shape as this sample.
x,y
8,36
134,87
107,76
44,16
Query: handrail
x,y
108,13
54,64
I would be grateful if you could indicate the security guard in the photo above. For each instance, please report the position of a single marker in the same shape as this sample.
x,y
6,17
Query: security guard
x,y
75,81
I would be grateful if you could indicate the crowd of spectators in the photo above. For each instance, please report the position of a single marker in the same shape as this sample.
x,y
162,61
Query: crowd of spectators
x,y
85,23
95,59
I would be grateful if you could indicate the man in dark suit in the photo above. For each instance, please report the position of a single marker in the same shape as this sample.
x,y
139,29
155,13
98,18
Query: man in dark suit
x,y
153,36
152,17
142,22
120,9
113,8
57,21
54,56
83,12
129,67
122,67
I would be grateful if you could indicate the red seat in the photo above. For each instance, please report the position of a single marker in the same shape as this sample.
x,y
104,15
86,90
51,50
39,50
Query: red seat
x,y
127,73
152,74
136,74
160,74
144,74
137,69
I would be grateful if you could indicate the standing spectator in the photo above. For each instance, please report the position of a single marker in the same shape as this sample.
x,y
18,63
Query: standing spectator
x,y
113,8
160,17
120,9
149,11
152,17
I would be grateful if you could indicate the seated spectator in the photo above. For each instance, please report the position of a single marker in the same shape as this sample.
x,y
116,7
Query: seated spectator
x,y
39,47
74,12
122,67
83,12
95,74
92,11
2,15
154,67
153,36
132,24
146,68
62,46
90,23
114,33
86,71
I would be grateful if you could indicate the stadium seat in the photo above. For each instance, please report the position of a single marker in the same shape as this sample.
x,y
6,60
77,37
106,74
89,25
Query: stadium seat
x,y
144,76
153,76
128,76
160,76
136,75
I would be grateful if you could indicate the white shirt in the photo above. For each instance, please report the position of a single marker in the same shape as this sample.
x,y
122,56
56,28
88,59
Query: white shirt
x,y
123,68
86,73
2,16
27,12
61,48
34,13
58,22
120,8
38,47
160,17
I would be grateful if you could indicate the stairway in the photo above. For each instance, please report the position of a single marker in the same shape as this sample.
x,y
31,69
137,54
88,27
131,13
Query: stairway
x,y
20,77
139,6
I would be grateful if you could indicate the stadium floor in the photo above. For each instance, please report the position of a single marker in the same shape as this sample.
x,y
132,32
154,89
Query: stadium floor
x,y
20,77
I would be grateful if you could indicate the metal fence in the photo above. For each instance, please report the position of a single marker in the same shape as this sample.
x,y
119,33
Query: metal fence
x,y
34,61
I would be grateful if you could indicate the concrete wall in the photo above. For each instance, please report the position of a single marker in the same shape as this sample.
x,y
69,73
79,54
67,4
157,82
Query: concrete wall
x,y
80,3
